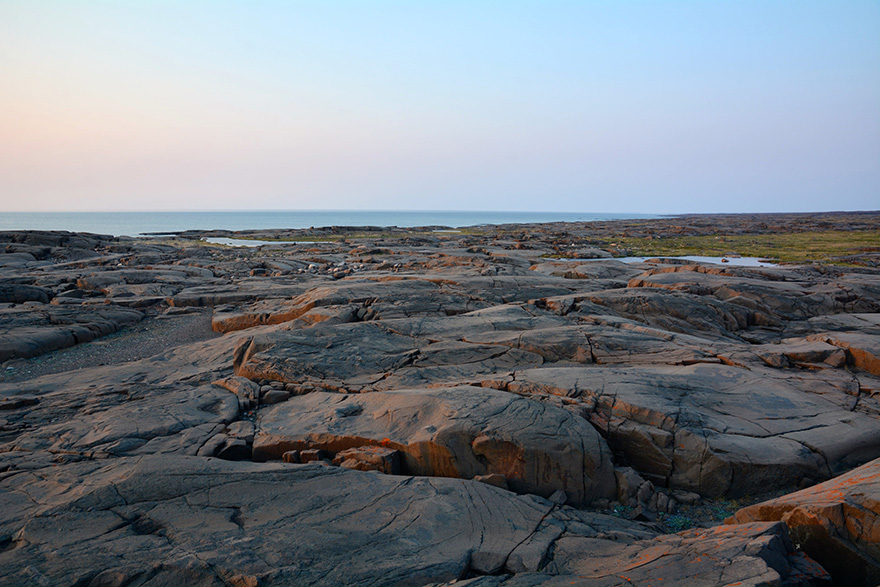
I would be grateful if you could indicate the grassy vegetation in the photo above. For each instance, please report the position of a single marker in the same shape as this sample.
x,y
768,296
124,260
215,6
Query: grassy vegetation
x,y
798,247
676,522
823,246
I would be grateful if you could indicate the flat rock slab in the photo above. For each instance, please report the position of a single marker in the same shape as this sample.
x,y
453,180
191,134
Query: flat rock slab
x,y
774,292
163,404
450,432
213,295
18,293
837,522
390,299
677,311
758,554
716,429
410,352
167,419
195,521
372,355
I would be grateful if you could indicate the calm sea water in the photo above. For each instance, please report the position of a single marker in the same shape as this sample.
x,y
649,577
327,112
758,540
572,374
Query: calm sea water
x,y
136,223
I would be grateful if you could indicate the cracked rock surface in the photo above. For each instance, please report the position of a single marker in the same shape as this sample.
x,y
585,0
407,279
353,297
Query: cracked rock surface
x,y
408,407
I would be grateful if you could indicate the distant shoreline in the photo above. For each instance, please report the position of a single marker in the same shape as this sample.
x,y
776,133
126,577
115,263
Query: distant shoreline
x,y
850,238
152,223
224,223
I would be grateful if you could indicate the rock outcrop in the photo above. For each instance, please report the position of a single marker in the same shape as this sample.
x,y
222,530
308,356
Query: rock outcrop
x,y
500,406
195,521
836,522
451,432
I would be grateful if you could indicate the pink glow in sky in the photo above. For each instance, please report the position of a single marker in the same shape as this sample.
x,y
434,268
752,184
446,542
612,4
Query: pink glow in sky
x,y
650,107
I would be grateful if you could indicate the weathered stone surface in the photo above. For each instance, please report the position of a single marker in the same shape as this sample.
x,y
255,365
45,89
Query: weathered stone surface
x,y
157,405
676,311
197,521
30,331
388,299
473,355
245,291
129,425
450,432
408,352
495,480
773,292
18,294
370,355
188,520
862,349
715,429
17,260
370,458
800,353
606,274
756,554
836,522
247,391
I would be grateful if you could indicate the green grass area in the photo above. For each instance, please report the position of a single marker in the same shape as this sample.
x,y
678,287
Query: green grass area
x,y
797,247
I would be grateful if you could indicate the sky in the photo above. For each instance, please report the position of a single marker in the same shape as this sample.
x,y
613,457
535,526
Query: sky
x,y
588,106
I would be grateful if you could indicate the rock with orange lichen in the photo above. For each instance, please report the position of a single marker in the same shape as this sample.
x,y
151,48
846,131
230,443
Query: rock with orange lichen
x,y
862,349
450,432
836,522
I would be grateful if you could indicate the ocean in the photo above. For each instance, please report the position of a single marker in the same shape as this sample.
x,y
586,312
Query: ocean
x,y
139,223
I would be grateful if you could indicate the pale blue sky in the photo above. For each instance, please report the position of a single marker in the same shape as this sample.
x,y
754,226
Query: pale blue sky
x,y
615,106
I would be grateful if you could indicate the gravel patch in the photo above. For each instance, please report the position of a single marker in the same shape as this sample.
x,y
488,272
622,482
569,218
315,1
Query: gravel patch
x,y
149,337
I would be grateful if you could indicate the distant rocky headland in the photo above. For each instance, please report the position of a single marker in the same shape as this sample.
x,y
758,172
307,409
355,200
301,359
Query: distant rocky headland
x,y
491,406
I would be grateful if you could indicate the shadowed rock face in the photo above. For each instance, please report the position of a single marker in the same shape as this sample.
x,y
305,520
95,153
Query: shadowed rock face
x,y
836,522
453,394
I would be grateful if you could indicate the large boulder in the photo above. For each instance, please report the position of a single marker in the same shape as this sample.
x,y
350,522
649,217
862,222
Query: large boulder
x,y
450,432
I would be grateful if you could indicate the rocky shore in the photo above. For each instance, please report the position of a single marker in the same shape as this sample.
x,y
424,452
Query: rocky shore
x,y
487,406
